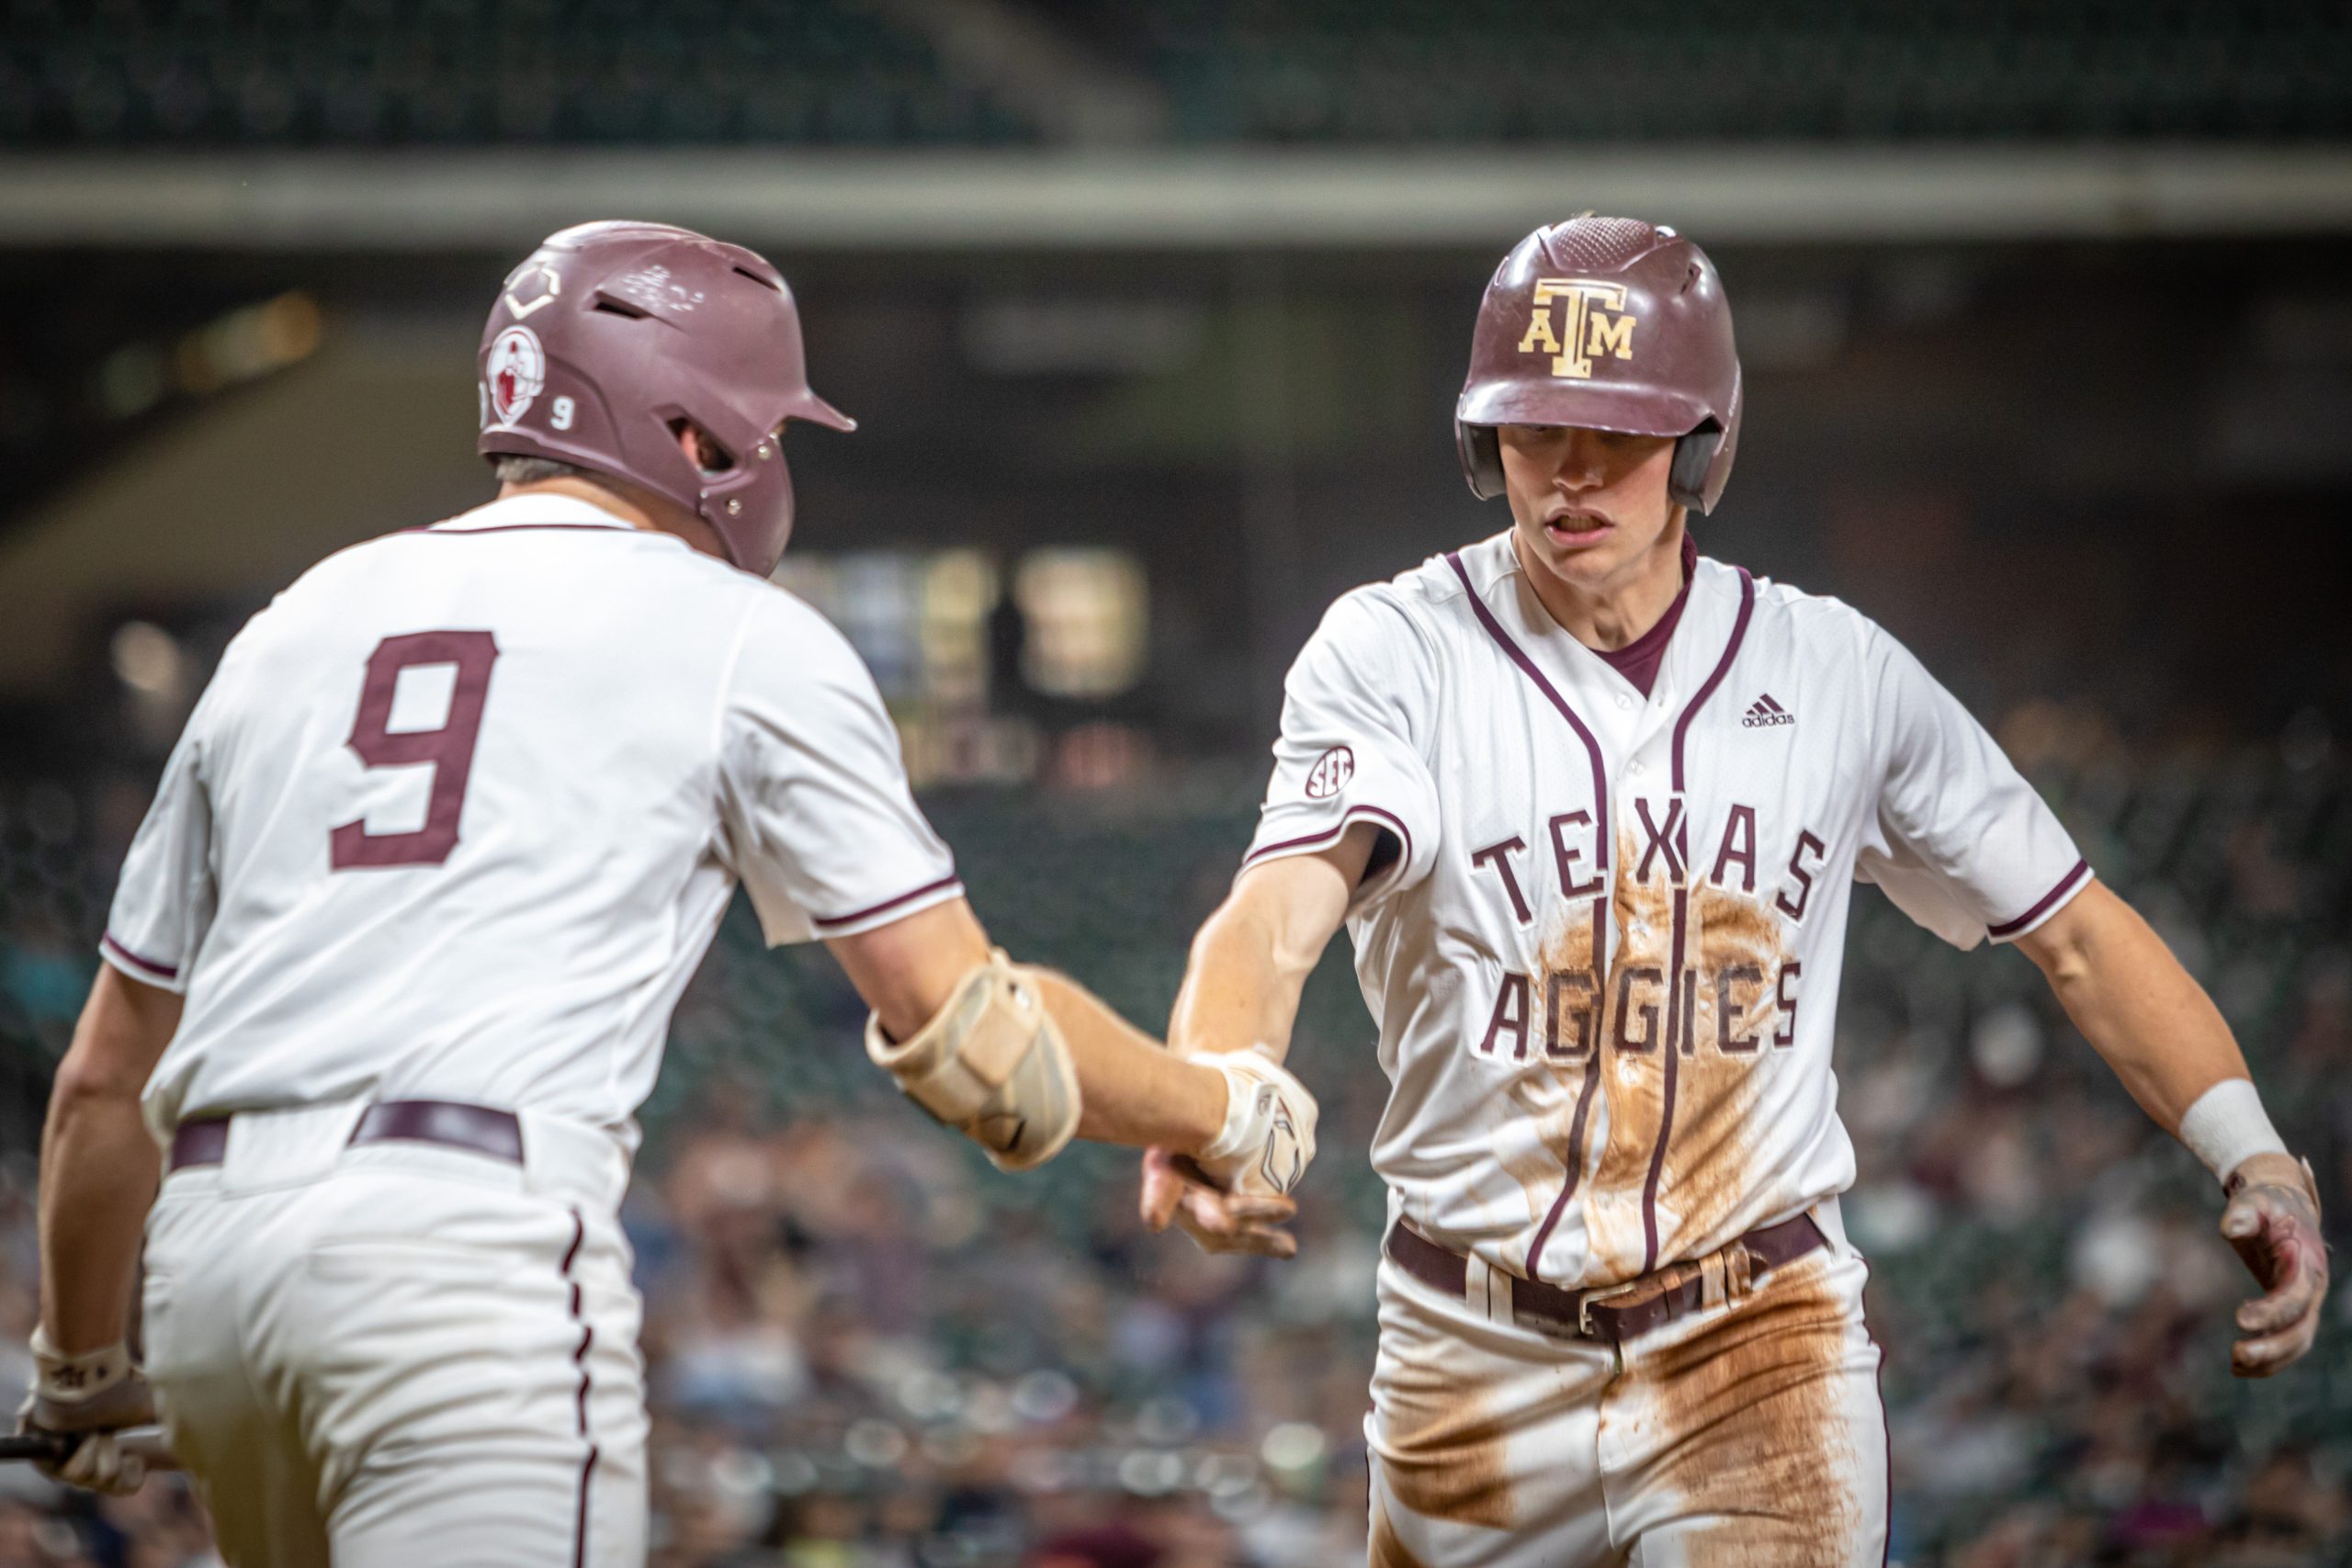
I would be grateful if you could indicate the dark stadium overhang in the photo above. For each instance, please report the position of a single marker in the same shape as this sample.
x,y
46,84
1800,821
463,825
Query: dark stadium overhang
x,y
1171,200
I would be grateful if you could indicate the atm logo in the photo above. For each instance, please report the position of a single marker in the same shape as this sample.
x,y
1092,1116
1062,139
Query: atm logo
x,y
1595,324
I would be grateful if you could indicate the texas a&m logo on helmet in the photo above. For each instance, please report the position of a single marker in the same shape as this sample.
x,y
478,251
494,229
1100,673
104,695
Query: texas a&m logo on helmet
x,y
1597,324
513,376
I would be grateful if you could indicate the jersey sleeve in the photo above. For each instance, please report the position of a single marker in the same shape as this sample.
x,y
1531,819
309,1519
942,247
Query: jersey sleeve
x,y
1961,841
820,817
1357,706
165,901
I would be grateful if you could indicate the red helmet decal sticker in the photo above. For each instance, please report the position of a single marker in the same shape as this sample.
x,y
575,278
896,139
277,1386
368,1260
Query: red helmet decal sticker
x,y
1330,773
514,375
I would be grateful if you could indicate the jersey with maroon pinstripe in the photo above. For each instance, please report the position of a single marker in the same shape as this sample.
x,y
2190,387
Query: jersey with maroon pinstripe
x,y
1604,946
460,813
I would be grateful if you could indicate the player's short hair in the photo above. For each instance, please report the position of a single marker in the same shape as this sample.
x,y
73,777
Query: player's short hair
x,y
515,470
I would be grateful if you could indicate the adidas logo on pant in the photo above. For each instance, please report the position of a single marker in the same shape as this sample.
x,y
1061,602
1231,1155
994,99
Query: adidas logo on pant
x,y
1764,712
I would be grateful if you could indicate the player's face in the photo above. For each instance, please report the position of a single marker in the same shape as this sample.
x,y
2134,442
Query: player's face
x,y
1588,503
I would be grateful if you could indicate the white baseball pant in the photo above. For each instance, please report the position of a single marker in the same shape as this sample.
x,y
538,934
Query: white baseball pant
x,y
401,1354
1745,1434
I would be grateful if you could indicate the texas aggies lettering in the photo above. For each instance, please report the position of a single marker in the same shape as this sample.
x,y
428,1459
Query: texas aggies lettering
x,y
1572,996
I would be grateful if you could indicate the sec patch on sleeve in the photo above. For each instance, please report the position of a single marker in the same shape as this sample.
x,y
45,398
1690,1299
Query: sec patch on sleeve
x,y
1330,773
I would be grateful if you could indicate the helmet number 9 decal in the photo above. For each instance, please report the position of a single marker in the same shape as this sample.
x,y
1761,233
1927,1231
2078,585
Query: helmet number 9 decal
x,y
559,414
448,750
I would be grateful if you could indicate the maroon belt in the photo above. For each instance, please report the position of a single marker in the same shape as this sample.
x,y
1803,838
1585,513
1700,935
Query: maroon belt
x,y
1613,1314
477,1129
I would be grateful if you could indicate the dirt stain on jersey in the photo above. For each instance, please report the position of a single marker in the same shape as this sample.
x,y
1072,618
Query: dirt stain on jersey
x,y
1548,1101
1751,1414
1633,1082
1549,1098
1733,948
1442,1450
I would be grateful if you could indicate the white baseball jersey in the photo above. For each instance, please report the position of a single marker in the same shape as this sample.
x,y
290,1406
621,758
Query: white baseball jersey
x,y
461,811
1605,963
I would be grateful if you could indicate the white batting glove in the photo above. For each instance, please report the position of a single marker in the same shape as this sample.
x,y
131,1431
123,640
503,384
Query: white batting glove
x,y
89,1397
1268,1140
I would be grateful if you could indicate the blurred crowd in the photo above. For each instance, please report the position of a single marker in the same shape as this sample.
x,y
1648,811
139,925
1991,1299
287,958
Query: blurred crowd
x,y
866,1349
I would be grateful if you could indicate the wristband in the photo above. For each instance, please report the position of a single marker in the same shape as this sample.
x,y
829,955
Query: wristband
x,y
2227,1126
70,1379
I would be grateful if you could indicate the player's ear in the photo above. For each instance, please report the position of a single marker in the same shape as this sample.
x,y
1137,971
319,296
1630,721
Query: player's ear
x,y
701,448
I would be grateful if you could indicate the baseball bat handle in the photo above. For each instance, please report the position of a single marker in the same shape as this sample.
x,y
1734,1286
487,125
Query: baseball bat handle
x,y
55,1448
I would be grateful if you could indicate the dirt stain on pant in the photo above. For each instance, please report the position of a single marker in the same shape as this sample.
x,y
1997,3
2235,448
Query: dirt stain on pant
x,y
1387,1551
1443,1447
1753,1428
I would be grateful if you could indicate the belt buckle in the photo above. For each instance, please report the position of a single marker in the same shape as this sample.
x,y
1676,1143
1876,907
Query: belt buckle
x,y
1586,1299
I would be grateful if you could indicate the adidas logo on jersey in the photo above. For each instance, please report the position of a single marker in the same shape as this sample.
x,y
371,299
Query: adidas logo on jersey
x,y
1763,713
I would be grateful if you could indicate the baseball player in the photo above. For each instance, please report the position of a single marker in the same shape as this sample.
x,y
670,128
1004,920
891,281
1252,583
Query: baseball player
x,y
394,953
1591,806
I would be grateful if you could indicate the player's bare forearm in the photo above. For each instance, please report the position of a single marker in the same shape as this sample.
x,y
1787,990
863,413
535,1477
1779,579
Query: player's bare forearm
x,y
2169,1044
1130,1089
1251,961
98,1164
2135,1004
1241,990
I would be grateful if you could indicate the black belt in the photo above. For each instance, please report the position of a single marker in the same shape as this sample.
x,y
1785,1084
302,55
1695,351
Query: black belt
x,y
1613,1313
477,1129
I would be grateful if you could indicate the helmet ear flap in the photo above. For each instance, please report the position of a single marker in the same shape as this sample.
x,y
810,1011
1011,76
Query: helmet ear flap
x,y
1482,458
1686,481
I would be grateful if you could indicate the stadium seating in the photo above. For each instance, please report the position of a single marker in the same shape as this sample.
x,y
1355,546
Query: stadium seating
x,y
372,74
1477,71
369,72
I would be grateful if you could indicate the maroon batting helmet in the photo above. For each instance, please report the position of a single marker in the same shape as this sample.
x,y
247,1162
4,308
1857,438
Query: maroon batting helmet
x,y
614,336
1606,324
